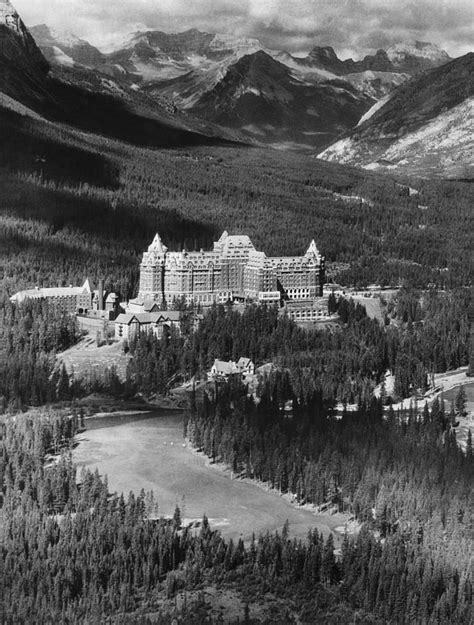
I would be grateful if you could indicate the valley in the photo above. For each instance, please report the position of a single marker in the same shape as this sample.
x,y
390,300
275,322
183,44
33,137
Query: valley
x,y
283,402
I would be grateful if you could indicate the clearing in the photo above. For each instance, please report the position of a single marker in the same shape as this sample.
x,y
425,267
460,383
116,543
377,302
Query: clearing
x,y
85,359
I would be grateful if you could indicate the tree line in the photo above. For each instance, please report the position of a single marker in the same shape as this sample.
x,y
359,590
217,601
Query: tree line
x,y
344,365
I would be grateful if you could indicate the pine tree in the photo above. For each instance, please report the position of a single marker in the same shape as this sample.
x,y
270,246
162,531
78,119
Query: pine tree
x,y
460,402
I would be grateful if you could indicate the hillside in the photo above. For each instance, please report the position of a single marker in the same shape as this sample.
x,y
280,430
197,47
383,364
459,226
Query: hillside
x,y
266,100
23,69
64,48
84,99
87,174
200,73
424,127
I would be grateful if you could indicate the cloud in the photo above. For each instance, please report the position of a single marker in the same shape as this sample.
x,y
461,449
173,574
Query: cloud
x,y
352,27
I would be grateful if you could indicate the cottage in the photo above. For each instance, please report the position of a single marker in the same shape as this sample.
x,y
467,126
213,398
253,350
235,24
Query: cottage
x,y
245,366
224,370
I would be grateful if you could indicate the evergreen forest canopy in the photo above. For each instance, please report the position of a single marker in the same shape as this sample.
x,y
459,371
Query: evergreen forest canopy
x,y
427,335
72,553
76,204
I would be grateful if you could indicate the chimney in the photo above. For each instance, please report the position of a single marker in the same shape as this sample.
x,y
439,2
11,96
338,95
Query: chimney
x,y
101,294
322,276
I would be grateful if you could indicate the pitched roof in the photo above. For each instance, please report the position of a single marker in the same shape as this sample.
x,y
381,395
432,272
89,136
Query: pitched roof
x,y
244,362
171,315
61,291
126,318
157,245
87,286
313,250
225,368
148,306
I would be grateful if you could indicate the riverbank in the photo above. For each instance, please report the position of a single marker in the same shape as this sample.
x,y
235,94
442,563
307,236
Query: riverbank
x,y
147,451
336,522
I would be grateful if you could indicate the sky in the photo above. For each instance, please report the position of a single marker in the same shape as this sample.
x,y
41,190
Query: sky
x,y
353,27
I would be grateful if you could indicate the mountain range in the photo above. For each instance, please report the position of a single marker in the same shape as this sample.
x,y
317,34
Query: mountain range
x,y
84,99
407,109
266,95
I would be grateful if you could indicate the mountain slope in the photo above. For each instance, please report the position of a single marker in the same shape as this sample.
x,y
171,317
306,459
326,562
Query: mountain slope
x,y
57,46
402,134
264,98
378,74
193,69
23,69
83,98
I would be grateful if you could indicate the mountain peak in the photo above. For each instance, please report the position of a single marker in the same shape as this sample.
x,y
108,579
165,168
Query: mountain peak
x,y
23,68
17,45
64,48
421,53
44,33
9,16
260,61
326,52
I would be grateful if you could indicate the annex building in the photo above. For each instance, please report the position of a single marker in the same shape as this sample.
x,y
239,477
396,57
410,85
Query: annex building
x,y
233,270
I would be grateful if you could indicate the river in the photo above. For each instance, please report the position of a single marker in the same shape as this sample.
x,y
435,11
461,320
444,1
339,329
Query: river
x,y
148,451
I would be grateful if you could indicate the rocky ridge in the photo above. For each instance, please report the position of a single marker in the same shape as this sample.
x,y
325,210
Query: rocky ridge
x,y
424,127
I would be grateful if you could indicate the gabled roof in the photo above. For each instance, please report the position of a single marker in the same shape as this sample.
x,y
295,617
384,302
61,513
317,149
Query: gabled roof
x,y
313,250
225,368
244,363
87,286
126,318
171,315
150,306
149,318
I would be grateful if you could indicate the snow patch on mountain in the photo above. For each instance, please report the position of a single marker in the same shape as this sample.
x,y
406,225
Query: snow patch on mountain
x,y
376,84
61,58
66,38
241,45
343,151
420,49
444,144
8,13
378,105
307,72
450,130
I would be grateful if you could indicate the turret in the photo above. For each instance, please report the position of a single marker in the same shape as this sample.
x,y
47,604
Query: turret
x,y
157,245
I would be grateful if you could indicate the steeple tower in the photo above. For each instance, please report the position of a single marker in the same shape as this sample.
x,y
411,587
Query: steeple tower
x,y
312,250
157,245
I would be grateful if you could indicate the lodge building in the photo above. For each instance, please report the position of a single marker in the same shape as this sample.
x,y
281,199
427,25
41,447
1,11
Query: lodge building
x,y
233,270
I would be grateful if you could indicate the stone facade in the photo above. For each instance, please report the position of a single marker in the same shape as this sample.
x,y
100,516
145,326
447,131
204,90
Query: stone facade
x,y
232,270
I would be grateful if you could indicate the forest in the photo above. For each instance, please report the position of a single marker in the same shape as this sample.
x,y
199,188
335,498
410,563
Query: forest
x,y
75,205
72,553
340,366
423,334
